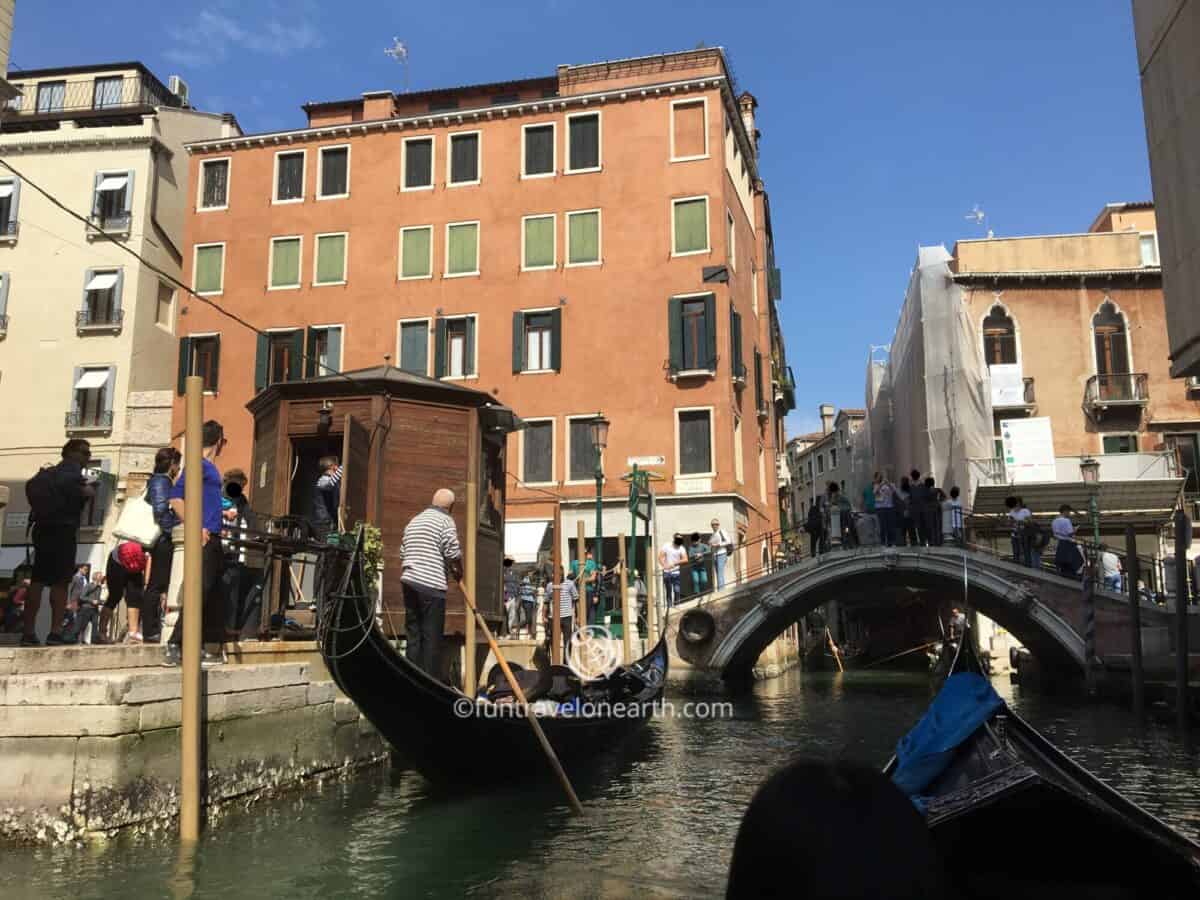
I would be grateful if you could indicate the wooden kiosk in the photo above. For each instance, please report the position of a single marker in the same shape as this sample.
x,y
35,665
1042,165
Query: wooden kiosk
x,y
400,437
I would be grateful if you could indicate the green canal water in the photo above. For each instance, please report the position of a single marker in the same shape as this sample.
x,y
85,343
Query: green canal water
x,y
661,815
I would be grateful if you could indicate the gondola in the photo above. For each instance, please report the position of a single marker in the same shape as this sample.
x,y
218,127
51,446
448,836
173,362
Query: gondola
x,y
449,737
1012,816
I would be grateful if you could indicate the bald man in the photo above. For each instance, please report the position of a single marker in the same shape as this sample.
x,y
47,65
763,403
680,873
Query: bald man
x,y
430,549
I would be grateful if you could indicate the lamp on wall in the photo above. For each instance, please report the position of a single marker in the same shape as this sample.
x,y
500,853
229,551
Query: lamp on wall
x,y
325,416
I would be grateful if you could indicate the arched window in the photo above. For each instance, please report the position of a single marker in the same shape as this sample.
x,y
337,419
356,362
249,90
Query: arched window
x,y
999,338
1112,349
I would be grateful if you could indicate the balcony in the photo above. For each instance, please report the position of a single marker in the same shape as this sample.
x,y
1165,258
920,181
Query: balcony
x,y
46,101
1114,467
109,223
1024,402
739,374
77,421
8,231
92,320
783,385
1107,394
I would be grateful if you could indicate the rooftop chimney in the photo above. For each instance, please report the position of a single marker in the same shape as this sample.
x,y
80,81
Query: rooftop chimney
x,y
826,410
747,104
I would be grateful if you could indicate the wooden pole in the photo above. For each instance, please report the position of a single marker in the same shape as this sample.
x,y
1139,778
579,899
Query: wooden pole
x,y
556,568
572,799
833,648
1132,575
470,674
628,622
652,623
1183,537
580,554
192,610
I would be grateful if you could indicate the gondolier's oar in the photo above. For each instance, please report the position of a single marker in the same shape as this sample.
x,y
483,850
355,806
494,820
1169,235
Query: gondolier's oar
x,y
572,799
879,662
833,648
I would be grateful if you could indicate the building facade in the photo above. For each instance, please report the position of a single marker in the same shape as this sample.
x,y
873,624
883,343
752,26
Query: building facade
x,y
826,456
596,241
87,332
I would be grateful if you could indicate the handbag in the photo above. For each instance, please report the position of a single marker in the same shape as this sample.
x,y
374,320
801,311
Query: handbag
x,y
136,522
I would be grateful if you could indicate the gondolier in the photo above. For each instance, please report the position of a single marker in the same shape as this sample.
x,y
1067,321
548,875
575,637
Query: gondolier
x,y
430,549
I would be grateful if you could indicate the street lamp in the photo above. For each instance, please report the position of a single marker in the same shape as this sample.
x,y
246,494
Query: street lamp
x,y
599,429
1089,470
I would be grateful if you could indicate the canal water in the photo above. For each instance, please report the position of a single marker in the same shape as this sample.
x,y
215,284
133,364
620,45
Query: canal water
x,y
661,816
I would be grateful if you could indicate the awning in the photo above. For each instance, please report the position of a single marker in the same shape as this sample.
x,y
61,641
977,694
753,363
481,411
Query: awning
x,y
6,190
91,378
522,540
113,183
102,281
1146,497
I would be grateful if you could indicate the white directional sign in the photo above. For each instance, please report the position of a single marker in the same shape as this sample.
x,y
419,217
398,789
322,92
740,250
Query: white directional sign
x,y
645,461
1028,450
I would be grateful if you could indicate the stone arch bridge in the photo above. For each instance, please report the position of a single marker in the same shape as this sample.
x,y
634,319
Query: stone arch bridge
x,y
724,634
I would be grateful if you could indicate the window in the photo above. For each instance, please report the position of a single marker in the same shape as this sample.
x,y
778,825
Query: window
x,y
999,338
581,454
695,442
738,466
278,358
463,159
736,365
462,249
537,452
208,269
583,142
538,249
51,96
199,355
214,184
833,457
416,252
91,405
164,307
329,267
1187,455
753,289
1120,443
690,228
1112,353
692,333
414,346
762,476
759,397
1149,247
18,101
289,176
689,130
454,348
417,164
810,469
112,200
324,354
10,199
537,341
333,173
820,463
107,92
284,263
537,151
730,240
583,238
101,298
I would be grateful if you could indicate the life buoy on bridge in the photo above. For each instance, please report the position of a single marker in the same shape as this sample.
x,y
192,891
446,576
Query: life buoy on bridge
x,y
697,626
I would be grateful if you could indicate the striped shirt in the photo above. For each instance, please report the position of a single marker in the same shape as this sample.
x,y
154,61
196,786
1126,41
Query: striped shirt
x,y
568,599
430,541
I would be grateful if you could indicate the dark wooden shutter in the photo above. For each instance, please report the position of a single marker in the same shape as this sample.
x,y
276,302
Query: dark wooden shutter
x,y
356,477
675,333
262,356
469,346
556,340
310,359
710,328
758,383
216,363
518,342
185,364
439,349
296,356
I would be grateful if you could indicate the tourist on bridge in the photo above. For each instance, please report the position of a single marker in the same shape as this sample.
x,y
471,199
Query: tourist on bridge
x,y
568,600
591,585
1068,558
670,557
1110,565
815,526
698,561
952,518
904,513
884,493
1017,515
721,546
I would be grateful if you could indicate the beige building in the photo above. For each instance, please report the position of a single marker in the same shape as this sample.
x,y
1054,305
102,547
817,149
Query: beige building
x,y
1168,47
7,9
87,333
823,456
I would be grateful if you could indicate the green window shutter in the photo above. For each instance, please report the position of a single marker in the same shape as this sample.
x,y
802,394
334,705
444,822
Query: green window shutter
x,y
185,364
675,333
583,238
296,357
463,257
331,259
415,257
518,342
539,242
710,328
469,348
333,351
735,327
691,225
310,358
556,340
285,263
758,383
261,355
439,349
209,263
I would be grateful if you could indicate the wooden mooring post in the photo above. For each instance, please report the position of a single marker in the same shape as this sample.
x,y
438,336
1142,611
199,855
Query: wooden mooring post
x,y
1183,539
1132,576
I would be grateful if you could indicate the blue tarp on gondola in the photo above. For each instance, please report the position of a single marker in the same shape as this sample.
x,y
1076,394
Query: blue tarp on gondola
x,y
964,703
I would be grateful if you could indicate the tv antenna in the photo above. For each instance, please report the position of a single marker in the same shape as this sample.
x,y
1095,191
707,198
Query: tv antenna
x,y
978,216
399,52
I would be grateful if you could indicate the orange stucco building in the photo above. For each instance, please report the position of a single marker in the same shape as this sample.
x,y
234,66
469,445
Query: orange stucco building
x,y
594,241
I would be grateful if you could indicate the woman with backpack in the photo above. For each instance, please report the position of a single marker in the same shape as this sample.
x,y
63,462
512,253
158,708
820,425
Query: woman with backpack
x,y
815,526
158,576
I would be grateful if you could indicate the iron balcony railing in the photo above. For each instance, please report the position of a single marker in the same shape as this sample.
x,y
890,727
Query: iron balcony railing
x,y
110,221
101,94
1116,390
91,319
8,228
78,420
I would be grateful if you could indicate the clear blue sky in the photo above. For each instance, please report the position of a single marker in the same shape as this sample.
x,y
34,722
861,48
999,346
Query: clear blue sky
x,y
883,122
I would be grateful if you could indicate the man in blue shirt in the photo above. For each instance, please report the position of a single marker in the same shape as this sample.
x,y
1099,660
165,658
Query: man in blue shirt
x,y
212,560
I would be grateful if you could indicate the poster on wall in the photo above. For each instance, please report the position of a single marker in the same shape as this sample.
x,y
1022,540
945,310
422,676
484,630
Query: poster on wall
x,y
1008,385
1028,450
